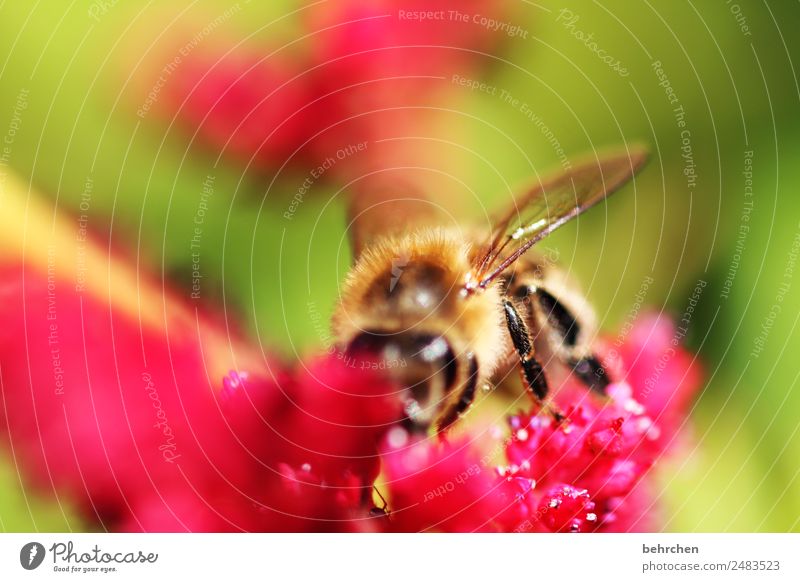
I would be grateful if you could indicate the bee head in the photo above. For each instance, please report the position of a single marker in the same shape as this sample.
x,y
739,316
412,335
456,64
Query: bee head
x,y
424,365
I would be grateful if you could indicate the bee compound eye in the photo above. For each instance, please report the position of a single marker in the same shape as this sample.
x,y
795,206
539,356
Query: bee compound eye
x,y
424,364
426,353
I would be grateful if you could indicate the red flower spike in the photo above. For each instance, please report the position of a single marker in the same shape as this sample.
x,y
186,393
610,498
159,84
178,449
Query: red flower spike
x,y
335,415
439,486
583,475
607,441
567,509
139,420
253,108
664,377
368,71
133,417
299,452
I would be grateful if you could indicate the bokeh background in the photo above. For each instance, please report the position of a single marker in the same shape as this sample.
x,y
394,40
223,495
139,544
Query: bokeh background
x,y
723,214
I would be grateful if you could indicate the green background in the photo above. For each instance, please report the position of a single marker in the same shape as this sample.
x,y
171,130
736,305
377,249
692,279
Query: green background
x,y
739,93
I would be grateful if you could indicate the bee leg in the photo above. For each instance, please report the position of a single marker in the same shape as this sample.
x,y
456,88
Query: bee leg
x,y
466,398
383,510
592,373
588,369
532,372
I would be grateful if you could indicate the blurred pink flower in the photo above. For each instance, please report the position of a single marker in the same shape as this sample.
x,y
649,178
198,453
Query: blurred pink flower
x,y
127,419
118,395
588,474
129,422
366,72
440,486
258,110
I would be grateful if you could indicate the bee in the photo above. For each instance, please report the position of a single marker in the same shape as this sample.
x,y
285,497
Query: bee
x,y
447,310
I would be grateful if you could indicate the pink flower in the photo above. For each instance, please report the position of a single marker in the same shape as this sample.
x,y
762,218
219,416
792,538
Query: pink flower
x,y
106,409
588,474
119,395
126,422
367,71
261,111
588,464
664,376
439,486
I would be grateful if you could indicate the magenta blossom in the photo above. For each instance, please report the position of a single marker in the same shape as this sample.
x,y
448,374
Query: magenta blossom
x,y
153,445
589,473
363,72
119,396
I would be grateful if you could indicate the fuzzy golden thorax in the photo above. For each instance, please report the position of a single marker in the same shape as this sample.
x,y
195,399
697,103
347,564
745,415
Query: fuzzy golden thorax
x,y
413,284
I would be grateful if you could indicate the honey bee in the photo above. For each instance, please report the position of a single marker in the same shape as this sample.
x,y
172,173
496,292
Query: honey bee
x,y
447,310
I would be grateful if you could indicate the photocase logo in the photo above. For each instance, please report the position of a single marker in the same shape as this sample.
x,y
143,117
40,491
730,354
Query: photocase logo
x,y
31,555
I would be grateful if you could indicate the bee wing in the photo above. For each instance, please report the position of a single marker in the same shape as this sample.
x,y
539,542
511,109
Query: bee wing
x,y
553,202
388,209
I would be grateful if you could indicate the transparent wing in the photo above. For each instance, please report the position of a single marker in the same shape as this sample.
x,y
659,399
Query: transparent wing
x,y
550,204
